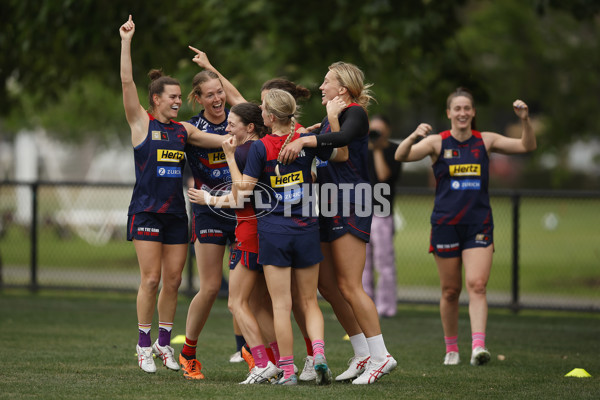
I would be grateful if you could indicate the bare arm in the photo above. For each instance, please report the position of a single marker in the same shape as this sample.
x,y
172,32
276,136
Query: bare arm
x,y
199,138
134,112
506,145
429,146
233,95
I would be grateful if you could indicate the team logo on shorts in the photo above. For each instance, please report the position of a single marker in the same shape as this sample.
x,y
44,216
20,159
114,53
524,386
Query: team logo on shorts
x,y
158,135
482,238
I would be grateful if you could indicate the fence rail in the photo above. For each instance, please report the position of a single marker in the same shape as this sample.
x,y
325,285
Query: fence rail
x,y
71,235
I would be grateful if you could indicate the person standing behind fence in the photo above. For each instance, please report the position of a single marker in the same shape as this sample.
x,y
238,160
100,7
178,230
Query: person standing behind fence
x,y
383,170
461,222
157,218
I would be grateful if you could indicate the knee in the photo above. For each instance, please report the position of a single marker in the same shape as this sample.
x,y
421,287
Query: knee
x,y
477,287
150,282
234,304
451,294
172,283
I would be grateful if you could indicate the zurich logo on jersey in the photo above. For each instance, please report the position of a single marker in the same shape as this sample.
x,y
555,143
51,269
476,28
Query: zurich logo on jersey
x,y
465,184
216,173
168,172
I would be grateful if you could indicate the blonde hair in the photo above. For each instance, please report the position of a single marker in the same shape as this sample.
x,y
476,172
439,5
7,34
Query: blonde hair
x,y
282,106
352,78
200,78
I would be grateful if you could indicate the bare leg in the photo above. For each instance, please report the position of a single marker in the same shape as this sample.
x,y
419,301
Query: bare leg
x,y
449,270
209,258
173,261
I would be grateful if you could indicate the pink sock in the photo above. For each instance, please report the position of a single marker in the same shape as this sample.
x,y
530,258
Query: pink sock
x,y
287,365
451,343
275,348
478,339
318,347
261,359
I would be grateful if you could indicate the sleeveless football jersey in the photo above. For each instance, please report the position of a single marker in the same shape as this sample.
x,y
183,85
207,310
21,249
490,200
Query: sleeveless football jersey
x,y
353,171
209,167
159,162
285,203
462,175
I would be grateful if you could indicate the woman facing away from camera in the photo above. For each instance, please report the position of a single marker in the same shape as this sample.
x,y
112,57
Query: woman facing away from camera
x,y
245,124
344,235
157,217
288,244
462,228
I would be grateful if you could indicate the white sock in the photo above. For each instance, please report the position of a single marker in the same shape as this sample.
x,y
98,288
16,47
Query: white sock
x,y
359,345
377,348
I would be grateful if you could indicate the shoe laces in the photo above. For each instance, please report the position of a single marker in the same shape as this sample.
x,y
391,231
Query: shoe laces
x,y
193,366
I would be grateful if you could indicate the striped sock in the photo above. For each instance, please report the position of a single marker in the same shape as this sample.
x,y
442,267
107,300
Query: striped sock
x,y
164,333
451,343
271,356
318,347
144,339
275,348
189,349
478,339
261,359
287,365
309,346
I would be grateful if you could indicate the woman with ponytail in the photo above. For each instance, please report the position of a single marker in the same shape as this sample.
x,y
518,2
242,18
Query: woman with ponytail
x,y
344,236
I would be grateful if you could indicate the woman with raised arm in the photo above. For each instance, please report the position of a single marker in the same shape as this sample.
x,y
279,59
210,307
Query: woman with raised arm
x,y
462,228
157,218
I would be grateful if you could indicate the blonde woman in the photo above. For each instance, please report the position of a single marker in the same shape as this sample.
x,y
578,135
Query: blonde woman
x,y
344,236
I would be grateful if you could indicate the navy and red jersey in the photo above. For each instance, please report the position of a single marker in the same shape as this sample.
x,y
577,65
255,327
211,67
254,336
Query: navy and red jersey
x,y
209,166
462,175
355,170
159,162
287,201
246,236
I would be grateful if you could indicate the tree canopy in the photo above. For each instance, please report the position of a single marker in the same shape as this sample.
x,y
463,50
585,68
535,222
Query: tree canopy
x,y
59,64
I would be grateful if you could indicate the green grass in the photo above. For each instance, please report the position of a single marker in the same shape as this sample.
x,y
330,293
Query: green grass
x,y
82,345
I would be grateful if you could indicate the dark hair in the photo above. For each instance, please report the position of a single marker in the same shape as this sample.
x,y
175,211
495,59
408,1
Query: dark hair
x,y
200,78
462,92
299,92
158,81
251,113
383,118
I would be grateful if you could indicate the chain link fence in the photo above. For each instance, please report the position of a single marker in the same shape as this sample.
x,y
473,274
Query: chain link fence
x,y
72,236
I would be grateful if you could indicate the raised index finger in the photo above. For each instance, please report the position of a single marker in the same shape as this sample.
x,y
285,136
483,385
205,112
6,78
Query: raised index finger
x,y
195,49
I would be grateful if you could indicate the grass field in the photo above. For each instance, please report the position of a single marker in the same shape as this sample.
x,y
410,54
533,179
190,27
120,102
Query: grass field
x,y
82,346
557,259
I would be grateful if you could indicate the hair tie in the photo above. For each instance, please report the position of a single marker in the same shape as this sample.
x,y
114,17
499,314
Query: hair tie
x,y
291,116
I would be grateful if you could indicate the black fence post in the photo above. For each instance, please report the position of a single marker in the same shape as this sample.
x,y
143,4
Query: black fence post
x,y
34,286
516,200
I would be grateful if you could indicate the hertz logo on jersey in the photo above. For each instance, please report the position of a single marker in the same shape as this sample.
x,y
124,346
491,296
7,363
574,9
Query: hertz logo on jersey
x,y
169,155
465,170
218,157
293,178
